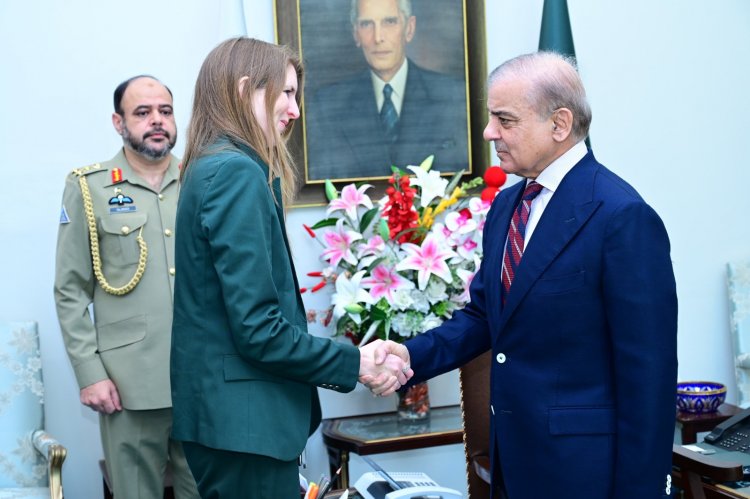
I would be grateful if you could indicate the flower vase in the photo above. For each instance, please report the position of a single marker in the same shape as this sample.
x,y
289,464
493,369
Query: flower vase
x,y
414,403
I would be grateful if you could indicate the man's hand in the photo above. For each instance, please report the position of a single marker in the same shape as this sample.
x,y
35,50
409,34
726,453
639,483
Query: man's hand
x,y
384,366
385,348
102,397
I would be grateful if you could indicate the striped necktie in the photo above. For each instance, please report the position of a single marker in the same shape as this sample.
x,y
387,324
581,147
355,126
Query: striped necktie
x,y
388,114
516,232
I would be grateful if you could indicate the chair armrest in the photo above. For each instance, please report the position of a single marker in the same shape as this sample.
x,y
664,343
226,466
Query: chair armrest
x,y
55,454
482,467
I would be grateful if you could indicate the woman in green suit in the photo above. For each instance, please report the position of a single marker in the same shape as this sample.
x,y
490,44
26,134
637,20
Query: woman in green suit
x,y
244,369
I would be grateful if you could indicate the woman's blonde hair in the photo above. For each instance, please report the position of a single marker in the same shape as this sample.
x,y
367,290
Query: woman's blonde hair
x,y
221,109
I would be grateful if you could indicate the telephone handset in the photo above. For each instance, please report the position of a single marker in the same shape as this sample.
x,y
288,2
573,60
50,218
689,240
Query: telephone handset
x,y
732,434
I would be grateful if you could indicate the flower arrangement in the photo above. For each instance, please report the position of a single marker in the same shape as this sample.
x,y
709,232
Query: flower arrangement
x,y
403,265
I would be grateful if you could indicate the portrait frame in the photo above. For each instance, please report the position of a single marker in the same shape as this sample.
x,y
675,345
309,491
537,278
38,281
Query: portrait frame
x,y
298,29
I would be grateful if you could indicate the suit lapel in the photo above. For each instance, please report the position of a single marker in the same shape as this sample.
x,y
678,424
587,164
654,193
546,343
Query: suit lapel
x,y
567,212
366,130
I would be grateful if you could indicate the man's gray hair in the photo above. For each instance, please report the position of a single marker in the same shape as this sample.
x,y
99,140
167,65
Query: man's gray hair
x,y
404,6
554,82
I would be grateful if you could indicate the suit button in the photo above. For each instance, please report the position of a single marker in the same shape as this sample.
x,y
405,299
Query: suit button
x,y
125,230
167,232
171,271
500,358
161,197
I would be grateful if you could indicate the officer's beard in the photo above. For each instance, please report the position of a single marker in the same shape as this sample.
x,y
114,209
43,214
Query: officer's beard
x,y
147,151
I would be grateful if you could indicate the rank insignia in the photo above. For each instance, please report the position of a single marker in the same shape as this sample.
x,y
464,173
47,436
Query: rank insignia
x,y
116,176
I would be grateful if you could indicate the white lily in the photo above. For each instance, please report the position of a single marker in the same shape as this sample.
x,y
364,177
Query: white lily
x,y
349,292
432,184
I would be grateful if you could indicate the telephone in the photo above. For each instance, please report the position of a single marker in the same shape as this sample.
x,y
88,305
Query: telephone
x,y
375,485
732,434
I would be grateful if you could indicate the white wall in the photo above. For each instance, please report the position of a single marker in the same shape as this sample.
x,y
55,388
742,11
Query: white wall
x,y
666,81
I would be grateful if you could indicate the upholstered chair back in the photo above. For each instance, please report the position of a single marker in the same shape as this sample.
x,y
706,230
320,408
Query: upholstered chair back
x,y
21,406
738,274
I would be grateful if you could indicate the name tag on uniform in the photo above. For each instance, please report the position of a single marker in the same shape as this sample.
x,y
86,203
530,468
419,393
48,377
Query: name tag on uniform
x,y
122,209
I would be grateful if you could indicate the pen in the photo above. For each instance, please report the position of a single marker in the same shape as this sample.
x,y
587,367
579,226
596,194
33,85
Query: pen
x,y
325,489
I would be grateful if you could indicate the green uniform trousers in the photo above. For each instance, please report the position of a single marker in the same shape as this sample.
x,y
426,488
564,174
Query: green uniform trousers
x,y
222,474
137,446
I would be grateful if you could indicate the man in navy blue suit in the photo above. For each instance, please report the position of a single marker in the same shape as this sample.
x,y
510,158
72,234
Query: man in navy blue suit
x,y
394,113
580,311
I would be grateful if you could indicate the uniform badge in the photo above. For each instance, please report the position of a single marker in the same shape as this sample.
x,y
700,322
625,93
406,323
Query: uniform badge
x,y
64,219
119,201
116,175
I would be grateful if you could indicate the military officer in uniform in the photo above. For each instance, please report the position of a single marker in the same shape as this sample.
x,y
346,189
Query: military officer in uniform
x,y
115,251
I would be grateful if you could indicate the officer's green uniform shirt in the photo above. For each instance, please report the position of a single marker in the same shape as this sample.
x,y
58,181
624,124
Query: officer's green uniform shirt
x,y
129,339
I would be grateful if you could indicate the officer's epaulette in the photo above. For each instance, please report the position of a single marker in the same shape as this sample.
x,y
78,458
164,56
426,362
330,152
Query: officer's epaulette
x,y
80,172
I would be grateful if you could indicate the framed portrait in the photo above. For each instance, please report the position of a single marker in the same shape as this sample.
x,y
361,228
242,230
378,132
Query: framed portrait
x,y
387,83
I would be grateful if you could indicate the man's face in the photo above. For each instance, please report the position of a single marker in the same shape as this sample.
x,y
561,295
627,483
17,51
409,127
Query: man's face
x,y
147,123
382,32
523,140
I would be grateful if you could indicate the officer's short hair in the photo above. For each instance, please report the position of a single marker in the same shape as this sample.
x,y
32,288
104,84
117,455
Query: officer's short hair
x,y
120,90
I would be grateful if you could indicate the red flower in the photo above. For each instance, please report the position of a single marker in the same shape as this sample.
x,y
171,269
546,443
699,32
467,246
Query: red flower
x,y
399,210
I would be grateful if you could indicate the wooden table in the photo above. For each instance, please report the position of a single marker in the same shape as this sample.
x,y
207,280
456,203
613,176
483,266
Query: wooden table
x,y
377,433
692,424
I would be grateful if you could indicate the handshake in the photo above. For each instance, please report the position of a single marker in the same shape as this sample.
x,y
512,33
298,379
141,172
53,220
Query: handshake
x,y
384,366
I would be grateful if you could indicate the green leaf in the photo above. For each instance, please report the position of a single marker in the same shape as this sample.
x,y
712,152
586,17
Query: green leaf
x,y
419,231
367,219
378,314
454,182
383,229
374,264
440,308
328,222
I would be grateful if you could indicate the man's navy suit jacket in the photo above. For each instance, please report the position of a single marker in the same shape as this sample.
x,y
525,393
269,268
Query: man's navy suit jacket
x,y
345,137
584,350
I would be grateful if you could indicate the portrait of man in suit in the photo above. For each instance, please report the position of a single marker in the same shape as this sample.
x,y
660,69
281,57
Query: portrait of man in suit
x,y
387,109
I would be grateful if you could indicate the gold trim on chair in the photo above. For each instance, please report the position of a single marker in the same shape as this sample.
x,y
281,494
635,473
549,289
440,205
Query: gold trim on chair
x,y
55,454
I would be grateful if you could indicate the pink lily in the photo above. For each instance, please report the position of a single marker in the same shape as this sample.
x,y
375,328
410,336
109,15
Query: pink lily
x,y
350,199
338,245
370,250
427,259
384,281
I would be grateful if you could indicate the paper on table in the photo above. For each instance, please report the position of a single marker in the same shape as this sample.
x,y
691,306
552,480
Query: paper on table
x,y
699,450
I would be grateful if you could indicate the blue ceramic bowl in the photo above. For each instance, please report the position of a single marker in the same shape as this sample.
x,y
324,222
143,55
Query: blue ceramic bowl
x,y
700,397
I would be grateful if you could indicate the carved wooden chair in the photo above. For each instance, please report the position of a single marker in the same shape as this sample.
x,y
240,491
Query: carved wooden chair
x,y
475,408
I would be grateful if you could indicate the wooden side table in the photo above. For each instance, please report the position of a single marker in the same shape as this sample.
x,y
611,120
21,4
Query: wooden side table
x,y
376,433
692,424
